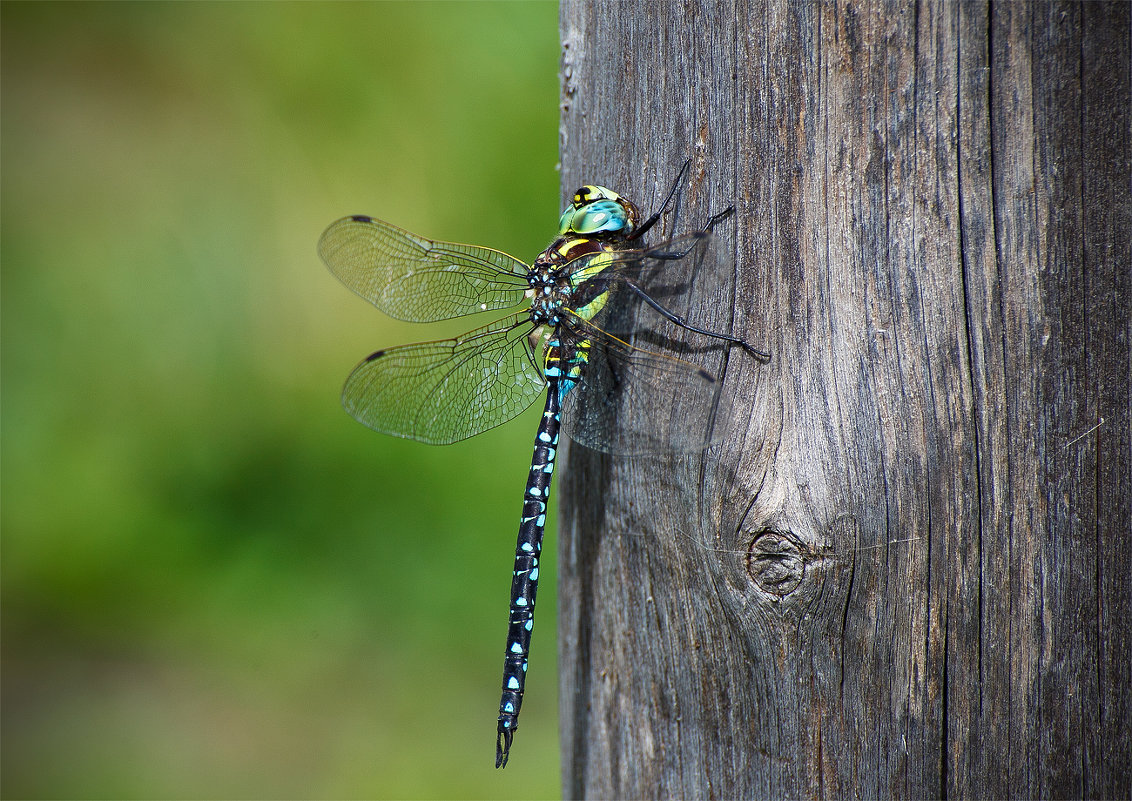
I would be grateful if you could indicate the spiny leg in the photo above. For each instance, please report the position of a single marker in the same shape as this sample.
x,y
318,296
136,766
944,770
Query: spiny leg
x,y
695,237
714,220
680,321
643,228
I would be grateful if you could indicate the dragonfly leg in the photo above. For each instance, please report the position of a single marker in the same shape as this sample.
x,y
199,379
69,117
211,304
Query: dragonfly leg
x,y
696,238
680,321
643,228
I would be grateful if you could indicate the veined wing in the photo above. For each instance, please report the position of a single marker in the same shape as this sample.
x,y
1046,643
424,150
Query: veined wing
x,y
633,401
445,391
416,279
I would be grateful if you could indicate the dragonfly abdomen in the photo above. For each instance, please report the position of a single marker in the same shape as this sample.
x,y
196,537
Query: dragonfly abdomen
x,y
524,583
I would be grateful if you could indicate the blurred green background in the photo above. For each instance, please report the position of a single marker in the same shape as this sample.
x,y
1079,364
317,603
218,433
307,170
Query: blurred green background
x,y
215,583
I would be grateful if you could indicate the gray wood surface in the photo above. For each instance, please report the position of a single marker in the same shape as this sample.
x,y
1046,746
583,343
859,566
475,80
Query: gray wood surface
x,y
907,570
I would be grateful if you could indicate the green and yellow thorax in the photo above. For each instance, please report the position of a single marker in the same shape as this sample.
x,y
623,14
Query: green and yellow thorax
x,y
597,223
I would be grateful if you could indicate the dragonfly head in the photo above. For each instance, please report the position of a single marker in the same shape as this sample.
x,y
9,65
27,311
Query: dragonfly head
x,y
597,210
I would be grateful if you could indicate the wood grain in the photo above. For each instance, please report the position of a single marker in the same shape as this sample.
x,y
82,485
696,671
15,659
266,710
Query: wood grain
x,y
907,571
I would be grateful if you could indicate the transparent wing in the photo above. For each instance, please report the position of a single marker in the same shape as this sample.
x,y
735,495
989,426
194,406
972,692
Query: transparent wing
x,y
445,391
633,401
416,279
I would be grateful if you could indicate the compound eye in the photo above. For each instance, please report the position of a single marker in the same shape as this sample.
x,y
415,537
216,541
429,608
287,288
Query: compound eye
x,y
600,216
596,210
566,221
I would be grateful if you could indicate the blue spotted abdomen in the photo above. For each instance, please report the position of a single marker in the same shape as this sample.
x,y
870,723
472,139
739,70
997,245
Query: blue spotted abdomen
x,y
524,583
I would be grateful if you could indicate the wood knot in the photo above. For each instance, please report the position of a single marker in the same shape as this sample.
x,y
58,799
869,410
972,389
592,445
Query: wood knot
x,y
775,562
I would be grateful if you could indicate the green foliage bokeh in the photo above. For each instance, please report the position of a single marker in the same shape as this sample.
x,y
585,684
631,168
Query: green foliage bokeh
x,y
215,583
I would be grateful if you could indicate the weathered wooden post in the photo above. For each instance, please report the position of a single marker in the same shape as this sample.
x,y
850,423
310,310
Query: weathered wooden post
x,y
907,571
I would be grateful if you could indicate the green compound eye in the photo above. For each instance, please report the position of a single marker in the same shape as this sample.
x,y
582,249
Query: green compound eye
x,y
595,217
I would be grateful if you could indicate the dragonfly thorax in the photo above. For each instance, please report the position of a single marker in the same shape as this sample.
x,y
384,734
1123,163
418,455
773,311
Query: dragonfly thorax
x,y
564,267
550,289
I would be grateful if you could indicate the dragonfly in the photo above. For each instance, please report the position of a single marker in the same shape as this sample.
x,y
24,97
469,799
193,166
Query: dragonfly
x,y
567,342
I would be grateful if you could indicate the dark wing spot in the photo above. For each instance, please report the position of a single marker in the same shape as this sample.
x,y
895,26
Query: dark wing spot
x,y
361,218
704,374
377,354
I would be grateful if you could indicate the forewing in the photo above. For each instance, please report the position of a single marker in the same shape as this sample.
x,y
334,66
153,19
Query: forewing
x,y
632,401
445,391
416,279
